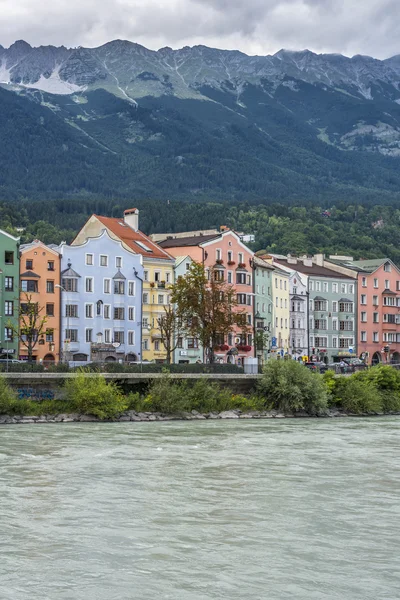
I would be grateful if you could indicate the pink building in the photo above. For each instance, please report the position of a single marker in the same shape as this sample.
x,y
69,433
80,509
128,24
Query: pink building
x,y
224,254
378,307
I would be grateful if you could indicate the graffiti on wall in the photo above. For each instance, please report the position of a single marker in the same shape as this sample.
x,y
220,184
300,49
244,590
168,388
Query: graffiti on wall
x,y
35,394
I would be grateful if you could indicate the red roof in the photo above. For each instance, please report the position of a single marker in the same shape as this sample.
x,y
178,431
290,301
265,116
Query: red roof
x,y
131,238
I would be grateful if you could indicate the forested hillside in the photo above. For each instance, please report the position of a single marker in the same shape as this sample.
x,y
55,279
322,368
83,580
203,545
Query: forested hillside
x,y
362,231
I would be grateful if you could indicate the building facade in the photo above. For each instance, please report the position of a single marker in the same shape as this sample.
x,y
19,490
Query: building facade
x,y
40,268
158,273
225,257
9,315
332,309
189,350
299,319
281,314
101,306
378,313
263,308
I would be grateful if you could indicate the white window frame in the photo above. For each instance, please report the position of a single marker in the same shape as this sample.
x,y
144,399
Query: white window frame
x,y
86,330
103,256
86,305
107,308
131,337
131,282
86,258
116,259
131,308
104,285
107,336
86,282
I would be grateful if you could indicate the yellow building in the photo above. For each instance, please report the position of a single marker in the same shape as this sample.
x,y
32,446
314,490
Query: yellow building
x,y
281,311
158,273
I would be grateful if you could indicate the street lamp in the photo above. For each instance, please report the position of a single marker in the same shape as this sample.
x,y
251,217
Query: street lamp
x,y
62,288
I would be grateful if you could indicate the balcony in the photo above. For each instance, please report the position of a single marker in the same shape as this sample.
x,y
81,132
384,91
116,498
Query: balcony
x,y
161,285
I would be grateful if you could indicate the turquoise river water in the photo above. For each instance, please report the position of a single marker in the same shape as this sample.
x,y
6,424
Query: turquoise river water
x,y
240,510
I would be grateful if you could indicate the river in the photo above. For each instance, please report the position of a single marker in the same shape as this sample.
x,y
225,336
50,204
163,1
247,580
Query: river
x,y
240,510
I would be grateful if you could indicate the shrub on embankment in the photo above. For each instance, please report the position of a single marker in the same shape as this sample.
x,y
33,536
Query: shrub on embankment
x,y
289,387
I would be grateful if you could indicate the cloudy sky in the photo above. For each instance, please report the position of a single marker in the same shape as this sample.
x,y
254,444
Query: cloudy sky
x,y
253,26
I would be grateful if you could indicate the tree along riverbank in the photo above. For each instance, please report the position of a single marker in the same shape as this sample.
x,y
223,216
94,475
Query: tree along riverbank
x,y
285,389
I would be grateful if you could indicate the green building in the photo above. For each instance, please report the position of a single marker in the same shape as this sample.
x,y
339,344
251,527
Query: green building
x,y
263,308
9,289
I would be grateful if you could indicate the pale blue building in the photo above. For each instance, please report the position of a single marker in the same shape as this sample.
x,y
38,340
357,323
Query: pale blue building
x,y
189,349
101,307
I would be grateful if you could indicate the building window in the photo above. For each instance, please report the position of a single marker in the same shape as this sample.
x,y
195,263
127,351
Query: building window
x,y
167,275
345,342
375,283
29,264
118,262
131,338
241,299
9,308
71,310
364,282
334,342
351,288
346,325
387,284
119,313
320,323
107,308
28,285
107,336
363,336
320,305
317,286
103,260
157,276
71,335
334,324
89,284
49,335
131,288
119,337
334,306
193,343
89,311
50,286
50,310
157,345
107,286
9,284
145,275
70,285
229,276
375,336
363,299
131,313
89,333
180,342
363,317
119,287
145,298
389,301
325,286
375,317
375,300
241,278
89,259
160,299
145,345
218,254
387,267
9,258
346,307
321,342
8,334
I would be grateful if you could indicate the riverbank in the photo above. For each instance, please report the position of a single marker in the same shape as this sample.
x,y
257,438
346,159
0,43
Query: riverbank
x,y
134,416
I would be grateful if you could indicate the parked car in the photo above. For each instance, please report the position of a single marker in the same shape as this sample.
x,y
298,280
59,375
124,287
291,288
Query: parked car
x,y
318,367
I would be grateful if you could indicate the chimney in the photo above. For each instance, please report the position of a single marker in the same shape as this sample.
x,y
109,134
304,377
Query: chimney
x,y
319,259
292,260
131,218
307,261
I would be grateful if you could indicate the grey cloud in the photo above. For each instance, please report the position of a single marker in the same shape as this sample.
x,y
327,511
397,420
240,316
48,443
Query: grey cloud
x,y
253,26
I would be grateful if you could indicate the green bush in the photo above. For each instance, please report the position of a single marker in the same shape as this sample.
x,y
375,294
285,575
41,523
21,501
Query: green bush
x,y
288,386
356,395
92,395
8,399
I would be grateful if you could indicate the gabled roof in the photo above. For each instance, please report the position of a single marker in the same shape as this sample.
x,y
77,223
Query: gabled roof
x,y
118,275
30,274
38,244
137,241
180,259
69,273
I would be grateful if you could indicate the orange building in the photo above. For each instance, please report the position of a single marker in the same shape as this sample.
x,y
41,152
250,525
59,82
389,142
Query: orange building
x,y
39,282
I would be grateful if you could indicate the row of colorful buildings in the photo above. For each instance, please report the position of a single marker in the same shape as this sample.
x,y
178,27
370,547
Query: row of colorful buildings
x,y
103,294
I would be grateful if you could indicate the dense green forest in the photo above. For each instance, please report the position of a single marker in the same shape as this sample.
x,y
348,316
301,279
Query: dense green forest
x,y
364,231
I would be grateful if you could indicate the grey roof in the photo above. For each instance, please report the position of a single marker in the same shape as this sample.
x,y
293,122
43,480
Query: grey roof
x,y
299,298
195,240
30,274
389,292
69,273
345,300
118,275
320,298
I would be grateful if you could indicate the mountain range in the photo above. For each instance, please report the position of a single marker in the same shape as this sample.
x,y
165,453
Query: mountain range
x,y
197,123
